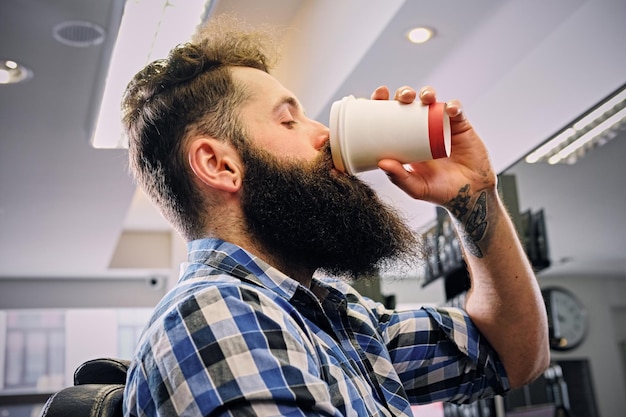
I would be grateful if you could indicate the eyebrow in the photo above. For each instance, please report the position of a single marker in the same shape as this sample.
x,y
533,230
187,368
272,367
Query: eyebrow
x,y
289,100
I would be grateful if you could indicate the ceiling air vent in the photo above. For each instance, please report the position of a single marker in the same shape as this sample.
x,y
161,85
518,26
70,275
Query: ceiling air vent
x,y
78,33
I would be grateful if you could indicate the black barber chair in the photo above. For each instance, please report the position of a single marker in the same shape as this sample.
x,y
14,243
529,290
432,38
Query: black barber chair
x,y
97,392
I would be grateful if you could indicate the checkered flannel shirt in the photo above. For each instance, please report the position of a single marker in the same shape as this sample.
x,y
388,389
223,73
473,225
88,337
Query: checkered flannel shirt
x,y
237,337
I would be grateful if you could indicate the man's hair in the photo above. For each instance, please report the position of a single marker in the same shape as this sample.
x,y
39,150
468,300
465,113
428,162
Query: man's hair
x,y
191,92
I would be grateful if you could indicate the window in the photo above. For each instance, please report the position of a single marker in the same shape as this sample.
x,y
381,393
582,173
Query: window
x,y
34,356
130,322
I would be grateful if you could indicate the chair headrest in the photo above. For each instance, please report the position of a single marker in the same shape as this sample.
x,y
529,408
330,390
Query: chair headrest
x,y
102,371
94,400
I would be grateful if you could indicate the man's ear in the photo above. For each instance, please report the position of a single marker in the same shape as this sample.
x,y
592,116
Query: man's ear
x,y
215,163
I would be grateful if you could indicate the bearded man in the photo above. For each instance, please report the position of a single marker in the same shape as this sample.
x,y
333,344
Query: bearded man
x,y
259,324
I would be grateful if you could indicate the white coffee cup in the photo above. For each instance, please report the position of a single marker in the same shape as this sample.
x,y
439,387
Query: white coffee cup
x,y
362,132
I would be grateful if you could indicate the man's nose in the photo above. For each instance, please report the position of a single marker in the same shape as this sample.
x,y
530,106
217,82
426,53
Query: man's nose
x,y
322,135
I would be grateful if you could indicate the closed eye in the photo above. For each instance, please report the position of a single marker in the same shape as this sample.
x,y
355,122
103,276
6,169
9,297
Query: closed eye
x,y
289,124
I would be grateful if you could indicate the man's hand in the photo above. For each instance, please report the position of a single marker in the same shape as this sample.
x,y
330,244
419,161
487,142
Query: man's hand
x,y
439,181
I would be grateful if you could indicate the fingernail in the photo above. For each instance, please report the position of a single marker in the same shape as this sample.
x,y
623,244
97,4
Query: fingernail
x,y
405,91
456,110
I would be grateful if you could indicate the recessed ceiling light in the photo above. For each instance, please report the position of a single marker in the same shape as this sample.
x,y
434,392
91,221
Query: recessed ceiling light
x,y
11,72
420,34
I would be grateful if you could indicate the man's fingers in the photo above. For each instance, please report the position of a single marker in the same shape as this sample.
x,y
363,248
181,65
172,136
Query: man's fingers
x,y
405,95
381,93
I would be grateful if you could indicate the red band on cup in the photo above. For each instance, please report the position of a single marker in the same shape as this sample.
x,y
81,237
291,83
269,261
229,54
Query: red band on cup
x,y
435,130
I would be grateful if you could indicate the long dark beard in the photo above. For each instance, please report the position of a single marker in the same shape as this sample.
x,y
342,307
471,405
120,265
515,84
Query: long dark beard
x,y
311,216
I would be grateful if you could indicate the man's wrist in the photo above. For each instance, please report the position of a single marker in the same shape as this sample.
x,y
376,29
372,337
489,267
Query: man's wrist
x,y
473,215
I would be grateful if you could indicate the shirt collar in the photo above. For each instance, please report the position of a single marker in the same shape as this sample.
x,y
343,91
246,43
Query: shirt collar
x,y
213,253
235,261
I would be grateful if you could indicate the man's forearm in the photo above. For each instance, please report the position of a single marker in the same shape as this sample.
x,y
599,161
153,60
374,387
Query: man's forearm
x,y
505,300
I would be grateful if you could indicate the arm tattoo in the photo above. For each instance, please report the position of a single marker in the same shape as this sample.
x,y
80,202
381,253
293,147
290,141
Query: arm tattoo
x,y
458,205
471,229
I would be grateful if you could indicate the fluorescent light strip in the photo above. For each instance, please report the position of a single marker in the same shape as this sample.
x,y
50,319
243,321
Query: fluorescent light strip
x,y
550,146
551,149
595,114
149,29
588,137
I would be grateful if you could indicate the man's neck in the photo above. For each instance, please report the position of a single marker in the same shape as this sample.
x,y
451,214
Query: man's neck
x,y
298,273
231,228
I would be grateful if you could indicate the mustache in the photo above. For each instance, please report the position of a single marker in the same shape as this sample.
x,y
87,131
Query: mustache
x,y
325,158
325,166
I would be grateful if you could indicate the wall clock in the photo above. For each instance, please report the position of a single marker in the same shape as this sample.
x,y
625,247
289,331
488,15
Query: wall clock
x,y
567,318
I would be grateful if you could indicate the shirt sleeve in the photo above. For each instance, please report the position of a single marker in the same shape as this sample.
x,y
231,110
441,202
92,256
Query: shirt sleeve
x,y
440,355
228,351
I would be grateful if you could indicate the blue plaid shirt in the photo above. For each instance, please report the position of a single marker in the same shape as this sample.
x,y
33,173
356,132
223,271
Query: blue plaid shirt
x,y
237,337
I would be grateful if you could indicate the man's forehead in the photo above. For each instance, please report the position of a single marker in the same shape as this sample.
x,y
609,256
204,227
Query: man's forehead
x,y
263,85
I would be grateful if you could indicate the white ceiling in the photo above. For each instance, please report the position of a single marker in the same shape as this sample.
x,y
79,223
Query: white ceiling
x,y
522,69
